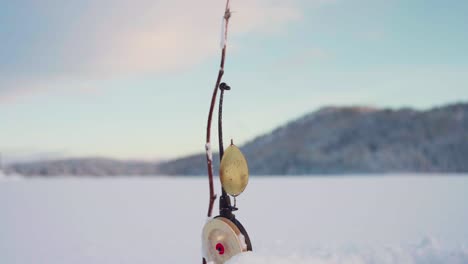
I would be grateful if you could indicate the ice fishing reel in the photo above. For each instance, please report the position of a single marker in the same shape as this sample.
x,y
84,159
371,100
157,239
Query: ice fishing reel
x,y
224,236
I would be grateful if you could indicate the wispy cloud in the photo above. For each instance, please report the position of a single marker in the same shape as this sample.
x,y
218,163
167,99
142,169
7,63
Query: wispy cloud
x,y
96,40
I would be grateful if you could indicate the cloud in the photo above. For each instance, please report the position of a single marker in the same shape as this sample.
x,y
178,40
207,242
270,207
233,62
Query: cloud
x,y
184,36
98,40
15,89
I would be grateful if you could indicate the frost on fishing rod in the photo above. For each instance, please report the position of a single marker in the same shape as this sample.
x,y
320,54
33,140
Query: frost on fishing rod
x,y
209,152
226,16
223,39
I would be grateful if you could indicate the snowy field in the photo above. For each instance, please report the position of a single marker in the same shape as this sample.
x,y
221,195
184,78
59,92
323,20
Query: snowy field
x,y
368,219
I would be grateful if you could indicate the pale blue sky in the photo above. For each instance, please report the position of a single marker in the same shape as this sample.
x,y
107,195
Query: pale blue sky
x,y
133,79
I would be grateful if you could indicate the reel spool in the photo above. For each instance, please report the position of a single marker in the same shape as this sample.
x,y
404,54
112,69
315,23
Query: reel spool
x,y
223,239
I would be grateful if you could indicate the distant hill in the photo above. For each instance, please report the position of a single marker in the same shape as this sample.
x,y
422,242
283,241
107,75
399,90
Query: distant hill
x,y
85,167
355,140
333,140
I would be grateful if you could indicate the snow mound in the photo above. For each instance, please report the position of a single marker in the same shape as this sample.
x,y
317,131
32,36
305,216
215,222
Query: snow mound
x,y
427,251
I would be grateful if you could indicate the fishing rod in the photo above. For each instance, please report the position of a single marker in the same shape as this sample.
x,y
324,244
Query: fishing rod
x,y
224,236
209,153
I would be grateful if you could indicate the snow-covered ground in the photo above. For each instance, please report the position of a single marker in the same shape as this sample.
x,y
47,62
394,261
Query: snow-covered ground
x,y
359,219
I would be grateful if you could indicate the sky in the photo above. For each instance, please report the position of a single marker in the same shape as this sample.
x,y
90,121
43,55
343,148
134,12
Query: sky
x,y
133,79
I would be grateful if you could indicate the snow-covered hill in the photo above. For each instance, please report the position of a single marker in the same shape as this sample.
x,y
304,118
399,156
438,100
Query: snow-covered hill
x,y
355,140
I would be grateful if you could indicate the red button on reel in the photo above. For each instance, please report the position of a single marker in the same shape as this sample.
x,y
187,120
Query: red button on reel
x,y
220,248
